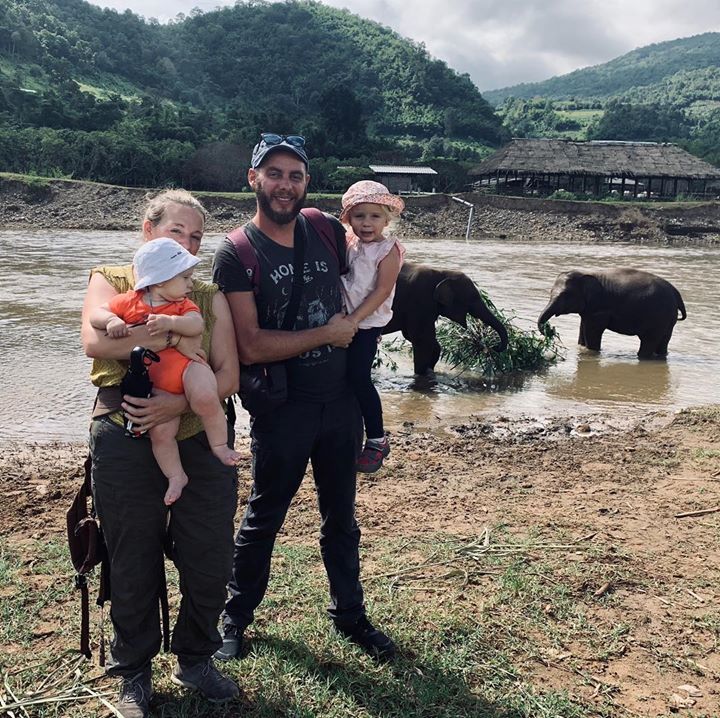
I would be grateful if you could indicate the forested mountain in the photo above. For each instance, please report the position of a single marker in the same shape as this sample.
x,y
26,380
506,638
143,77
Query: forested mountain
x,y
630,74
98,94
667,92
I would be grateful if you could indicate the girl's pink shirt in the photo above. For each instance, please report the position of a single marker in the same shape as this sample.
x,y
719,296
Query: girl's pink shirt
x,y
361,278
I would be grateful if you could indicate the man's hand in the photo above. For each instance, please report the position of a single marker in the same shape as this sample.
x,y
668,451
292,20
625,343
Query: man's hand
x,y
158,324
343,330
158,409
191,347
117,328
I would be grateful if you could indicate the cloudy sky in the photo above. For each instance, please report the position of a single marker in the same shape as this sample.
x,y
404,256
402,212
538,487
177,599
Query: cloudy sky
x,y
504,42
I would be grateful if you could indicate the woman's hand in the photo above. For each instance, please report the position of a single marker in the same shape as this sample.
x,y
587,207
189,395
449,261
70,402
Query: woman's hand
x,y
158,409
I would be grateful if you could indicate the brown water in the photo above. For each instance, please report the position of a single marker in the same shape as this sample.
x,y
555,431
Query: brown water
x,y
45,394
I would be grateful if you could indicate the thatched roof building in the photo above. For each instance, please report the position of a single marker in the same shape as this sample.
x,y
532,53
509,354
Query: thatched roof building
x,y
540,166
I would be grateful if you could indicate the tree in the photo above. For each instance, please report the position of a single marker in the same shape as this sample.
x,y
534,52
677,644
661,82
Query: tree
x,y
644,123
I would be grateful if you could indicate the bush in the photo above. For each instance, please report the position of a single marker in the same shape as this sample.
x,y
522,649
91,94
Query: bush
x,y
562,194
471,348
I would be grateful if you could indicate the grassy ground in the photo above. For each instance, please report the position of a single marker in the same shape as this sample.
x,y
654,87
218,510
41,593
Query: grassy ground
x,y
521,574
484,605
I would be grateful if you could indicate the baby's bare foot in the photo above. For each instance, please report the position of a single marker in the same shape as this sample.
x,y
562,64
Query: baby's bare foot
x,y
228,456
175,486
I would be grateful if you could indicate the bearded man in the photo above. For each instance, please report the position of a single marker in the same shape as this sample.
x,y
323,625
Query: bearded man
x,y
320,422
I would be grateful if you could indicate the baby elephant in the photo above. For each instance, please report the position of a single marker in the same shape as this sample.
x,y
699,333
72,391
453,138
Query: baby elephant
x,y
626,301
425,293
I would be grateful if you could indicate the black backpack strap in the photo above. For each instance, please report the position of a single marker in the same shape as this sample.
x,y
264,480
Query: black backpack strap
x,y
298,283
81,583
81,577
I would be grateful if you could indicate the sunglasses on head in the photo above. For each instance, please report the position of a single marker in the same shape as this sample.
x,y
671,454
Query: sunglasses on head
x,y
270,138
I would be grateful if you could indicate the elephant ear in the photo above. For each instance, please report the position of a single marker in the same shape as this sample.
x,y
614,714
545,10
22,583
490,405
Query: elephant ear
x,y
444,293
593,292
448,295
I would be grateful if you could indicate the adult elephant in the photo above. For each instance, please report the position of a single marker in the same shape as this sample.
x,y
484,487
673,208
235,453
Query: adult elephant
x,y
623,300
423,294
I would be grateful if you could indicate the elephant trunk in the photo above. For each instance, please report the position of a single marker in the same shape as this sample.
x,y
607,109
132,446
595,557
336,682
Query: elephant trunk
x,y
487,317
550,311
499,327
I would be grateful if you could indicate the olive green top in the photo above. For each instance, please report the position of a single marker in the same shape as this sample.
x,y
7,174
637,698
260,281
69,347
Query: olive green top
x,y
109,372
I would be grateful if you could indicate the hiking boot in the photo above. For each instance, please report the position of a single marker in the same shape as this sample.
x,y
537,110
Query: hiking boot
x,y
372,641
207,680
371,458
135,694
232,644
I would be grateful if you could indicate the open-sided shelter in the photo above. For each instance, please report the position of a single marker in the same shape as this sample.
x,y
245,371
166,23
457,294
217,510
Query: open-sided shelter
x,y
401,178
542,166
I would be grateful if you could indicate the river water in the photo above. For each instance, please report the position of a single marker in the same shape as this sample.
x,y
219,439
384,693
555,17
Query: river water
x,y
45,394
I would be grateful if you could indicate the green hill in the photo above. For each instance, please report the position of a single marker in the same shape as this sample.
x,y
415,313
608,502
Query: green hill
x,y
631,74
97,94
667,92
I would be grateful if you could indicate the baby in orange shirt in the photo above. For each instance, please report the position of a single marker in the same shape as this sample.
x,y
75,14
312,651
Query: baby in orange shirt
x,y
163,273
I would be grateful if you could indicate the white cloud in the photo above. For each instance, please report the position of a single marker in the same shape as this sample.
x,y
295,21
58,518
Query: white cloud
x,y
503,42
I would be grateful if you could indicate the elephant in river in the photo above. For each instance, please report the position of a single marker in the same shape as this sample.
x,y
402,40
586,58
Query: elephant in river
x,y
423,294
623,300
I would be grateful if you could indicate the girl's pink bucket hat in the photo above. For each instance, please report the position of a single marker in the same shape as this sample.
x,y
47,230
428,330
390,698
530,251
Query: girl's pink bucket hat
x,y
367,191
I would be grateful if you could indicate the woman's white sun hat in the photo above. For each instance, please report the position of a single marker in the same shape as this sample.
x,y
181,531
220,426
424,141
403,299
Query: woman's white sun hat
x,y
159,260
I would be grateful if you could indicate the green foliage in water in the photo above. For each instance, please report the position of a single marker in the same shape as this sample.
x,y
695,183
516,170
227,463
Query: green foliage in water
x,y
471,348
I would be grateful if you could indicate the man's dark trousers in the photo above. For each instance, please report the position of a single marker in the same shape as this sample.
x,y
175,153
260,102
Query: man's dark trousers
x,y
328,435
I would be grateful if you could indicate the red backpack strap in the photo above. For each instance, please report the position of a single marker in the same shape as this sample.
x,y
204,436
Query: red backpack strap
x,y
246,255
332,239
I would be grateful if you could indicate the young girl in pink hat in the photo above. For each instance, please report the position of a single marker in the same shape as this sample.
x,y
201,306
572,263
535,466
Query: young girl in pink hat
x,y
374,260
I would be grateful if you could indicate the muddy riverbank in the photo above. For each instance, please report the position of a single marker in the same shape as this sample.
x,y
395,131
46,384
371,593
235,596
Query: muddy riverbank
x,y
586,557
64,204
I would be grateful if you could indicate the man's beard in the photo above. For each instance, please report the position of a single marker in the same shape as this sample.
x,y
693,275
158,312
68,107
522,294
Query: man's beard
x,y
273,215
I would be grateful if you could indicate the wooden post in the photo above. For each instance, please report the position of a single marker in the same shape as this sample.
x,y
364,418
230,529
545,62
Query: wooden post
x,y
675,184
635,180
622,185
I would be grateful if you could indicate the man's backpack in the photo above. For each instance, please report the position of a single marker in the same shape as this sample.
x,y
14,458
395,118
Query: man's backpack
x,y
332,239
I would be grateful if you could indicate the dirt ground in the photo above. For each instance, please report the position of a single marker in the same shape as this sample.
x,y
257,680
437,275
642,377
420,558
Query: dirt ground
x,y
70,204
621,491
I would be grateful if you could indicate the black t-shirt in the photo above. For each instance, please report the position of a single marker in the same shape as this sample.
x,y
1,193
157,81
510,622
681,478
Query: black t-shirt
x,y
320,374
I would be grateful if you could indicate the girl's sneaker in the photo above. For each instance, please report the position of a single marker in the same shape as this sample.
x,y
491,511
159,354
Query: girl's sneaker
x,y
371,458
